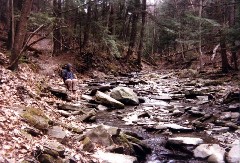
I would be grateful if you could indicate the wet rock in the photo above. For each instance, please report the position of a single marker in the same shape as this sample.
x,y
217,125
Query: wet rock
x,y
60,92
36,118
87,98
100,135
45,158
173,127
57,132
141,100
195,111
199,125
192,93
231,97
158,104
177,96
177,113
233,155
88,145
135,140
109,101
202,98
164,97
214,152
125,95
235,115
102,107
225,116
115,149
144,115
231,125
114,131
185,140
220,130
234,107
114,158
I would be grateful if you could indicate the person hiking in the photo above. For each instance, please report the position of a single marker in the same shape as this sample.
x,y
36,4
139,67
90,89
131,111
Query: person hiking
x,y
69,78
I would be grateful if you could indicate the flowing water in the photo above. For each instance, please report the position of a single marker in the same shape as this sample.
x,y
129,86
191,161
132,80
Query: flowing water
x,y
159,108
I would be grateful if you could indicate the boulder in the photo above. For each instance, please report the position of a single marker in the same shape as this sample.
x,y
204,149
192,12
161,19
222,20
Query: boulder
x,y
125,95
185,140
174,127
45,158
100,135
35,117
102,107
54,148
234,107
88,145
60,92
105,99
114,158
57,132
214,152
233,155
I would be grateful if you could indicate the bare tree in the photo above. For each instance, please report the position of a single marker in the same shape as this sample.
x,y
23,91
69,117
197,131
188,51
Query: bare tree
x,y
140,49
133,35
20,34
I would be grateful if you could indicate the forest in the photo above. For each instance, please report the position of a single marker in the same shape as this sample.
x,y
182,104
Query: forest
x,y
119,81
176,31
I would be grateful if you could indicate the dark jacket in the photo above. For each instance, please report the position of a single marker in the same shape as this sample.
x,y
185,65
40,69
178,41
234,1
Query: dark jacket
x,y
67,74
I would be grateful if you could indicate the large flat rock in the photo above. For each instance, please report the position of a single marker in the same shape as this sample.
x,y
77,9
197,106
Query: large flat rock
x,y
214,152
185,140
125,95
114,158
105,99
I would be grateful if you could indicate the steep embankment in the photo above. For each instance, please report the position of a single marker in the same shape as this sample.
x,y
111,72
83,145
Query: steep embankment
x,y
20,91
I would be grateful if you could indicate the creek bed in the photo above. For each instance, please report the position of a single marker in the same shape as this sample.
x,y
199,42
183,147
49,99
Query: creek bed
x,y
160,110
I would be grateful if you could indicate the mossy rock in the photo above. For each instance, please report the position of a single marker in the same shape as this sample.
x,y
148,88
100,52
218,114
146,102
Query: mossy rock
x,y
132,146
36,118
88,145
45,158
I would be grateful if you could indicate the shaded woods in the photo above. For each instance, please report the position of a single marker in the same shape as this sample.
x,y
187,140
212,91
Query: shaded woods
x,y
179,31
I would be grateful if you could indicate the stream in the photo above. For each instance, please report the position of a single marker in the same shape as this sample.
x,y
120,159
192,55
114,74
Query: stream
x,y
192,107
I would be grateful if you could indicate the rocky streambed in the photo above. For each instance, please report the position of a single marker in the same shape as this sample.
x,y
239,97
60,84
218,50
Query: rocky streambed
x,y
142,117
181,119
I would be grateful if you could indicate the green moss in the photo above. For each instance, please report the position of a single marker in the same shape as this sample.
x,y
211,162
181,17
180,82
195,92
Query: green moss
x,y
36,118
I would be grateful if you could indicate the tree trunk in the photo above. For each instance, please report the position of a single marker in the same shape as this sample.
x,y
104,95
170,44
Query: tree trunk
x,y
200,36
112,22
225,64
11,25
20,34
87,25
133,36
57,39
232,17
140,49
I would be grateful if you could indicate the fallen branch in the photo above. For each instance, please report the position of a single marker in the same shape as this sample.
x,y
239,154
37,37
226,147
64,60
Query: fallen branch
x,y
25,45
